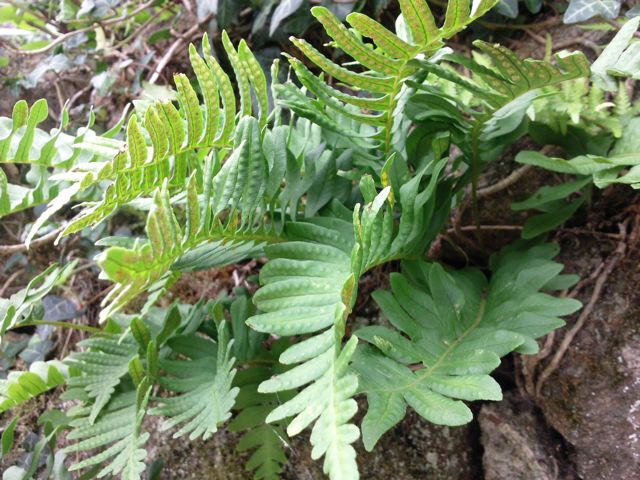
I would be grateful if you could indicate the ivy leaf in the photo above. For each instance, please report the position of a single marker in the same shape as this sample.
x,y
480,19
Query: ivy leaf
x,y
282,11
581,10
508,8
619,58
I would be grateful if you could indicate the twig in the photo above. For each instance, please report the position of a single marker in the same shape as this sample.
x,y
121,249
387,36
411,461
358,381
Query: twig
x,y
10,280
66,36
22,247
166,58
474,228
505,182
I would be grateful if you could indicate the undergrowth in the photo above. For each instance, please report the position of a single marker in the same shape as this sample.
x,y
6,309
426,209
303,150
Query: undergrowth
x,y
325,180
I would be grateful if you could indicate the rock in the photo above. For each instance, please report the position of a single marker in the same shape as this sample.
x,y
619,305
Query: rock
x,y
517,444
413,450
417,449
593,398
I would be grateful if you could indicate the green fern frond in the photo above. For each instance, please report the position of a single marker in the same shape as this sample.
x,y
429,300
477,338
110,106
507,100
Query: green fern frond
x,y
228,226
502,86
387,61
267,441
450,330
118,429
203,384
510,76
309,286
47,155
103,365
170,143
22,386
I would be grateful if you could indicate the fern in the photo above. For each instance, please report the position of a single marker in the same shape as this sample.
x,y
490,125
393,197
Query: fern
x,y
104,365
119,426
180,138
387,63
450,330
203,383
26,303
22,386
340,187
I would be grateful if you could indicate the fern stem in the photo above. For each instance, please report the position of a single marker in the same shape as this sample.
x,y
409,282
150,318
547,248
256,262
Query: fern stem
x,y
475,174
75,326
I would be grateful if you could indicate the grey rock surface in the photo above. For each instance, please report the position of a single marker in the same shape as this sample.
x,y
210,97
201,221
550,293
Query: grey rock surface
x,y
593,398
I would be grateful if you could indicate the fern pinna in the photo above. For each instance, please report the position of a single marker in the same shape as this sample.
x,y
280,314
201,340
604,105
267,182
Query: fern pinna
x,y
333,182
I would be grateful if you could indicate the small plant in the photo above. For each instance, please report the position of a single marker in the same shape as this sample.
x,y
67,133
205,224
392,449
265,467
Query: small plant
x,y
332,182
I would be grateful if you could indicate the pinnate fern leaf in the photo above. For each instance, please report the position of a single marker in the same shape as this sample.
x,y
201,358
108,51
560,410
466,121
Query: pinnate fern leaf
x,y
179,138
510,76
203,383
104,365
387,62
118,427
448,332
307,288
266,441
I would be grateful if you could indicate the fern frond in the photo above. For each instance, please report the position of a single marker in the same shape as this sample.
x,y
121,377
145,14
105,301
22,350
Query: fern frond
x,y
103,365
20,307
309,286
203,383
228,226
23,143
265,440
510,76
118,427
449,331
170,143
22,386
502,86
387,62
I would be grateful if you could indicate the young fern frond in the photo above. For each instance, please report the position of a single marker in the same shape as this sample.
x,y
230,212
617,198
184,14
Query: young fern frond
x,y
387,62
450,330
